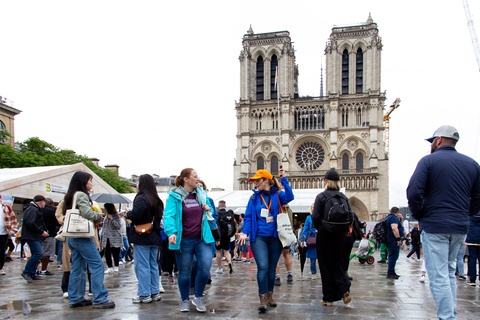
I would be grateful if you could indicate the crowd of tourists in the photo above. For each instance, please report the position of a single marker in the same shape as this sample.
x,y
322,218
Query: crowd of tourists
x,y
187,233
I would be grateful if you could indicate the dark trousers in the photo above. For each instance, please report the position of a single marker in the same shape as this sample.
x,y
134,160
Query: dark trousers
x,y
3,246
393,253
109,251
331,256
168,258
473,256
303,257
415,248
349,240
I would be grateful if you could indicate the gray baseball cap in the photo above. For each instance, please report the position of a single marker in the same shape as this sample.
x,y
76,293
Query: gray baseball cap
x,y
445,131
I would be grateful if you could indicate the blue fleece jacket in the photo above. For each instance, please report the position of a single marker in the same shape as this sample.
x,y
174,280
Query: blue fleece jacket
x,y
444,190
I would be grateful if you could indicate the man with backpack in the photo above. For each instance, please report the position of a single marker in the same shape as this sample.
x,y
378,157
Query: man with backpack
x,y
227,227
380,233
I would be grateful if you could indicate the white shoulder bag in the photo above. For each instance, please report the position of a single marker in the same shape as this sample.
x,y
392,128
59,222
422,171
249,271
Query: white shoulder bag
x,y
76,226
284,228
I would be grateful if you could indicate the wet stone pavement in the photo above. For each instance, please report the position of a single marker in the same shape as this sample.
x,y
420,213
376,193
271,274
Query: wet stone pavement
x,y
235,296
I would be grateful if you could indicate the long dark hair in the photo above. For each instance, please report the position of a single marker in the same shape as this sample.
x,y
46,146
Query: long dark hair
x,y
147,188
78,183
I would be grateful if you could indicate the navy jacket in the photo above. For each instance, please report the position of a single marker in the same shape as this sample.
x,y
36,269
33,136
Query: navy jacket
x,y
444,190
473,235
142,213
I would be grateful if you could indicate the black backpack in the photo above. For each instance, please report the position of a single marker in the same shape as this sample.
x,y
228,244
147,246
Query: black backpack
x,y
336,215
380,231
226,223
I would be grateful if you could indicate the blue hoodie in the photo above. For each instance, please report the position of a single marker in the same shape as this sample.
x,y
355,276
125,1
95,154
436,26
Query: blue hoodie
x,y
255,205
444,190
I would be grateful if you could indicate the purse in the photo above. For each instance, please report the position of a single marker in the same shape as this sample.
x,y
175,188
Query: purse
x,y
76,226
144,229
284,228
311,240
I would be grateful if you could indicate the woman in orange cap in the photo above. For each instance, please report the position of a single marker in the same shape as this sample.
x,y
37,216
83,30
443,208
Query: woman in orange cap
x,y
260,225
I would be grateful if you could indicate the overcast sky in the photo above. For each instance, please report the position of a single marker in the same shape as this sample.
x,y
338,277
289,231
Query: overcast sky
x,y
151,85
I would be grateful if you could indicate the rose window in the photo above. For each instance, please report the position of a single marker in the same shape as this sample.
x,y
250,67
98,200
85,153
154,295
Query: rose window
x,y
310,156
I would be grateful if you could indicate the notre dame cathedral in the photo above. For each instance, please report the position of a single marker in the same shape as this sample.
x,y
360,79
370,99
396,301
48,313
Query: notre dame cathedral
x,y
342,129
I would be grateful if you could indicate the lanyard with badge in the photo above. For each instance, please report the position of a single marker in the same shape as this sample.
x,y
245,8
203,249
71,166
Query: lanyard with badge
x,y
265,213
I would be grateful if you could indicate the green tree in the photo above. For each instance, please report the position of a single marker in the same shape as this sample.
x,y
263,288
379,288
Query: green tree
x,y
35,152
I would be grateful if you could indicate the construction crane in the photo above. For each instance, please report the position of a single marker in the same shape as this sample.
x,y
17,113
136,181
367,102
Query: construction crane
x,y
386,122
473,33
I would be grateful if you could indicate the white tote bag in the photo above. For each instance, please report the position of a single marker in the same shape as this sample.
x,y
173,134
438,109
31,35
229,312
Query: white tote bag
x,y
284,229
76,226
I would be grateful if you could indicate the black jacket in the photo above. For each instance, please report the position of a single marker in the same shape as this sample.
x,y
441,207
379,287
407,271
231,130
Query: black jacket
x,y
33,225
50,221
141,213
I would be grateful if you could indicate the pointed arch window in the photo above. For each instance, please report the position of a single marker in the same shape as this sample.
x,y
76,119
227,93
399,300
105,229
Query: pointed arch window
x,y
273,73
344,117
260,163
345,72
359,117
359,162
274,165
345,164
260,78
359,71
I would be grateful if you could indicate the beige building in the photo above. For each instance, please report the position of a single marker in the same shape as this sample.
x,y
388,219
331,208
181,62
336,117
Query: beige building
x,y
7,118
342,129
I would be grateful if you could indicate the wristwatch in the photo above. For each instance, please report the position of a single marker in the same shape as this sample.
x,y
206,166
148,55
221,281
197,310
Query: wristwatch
x,y
399,239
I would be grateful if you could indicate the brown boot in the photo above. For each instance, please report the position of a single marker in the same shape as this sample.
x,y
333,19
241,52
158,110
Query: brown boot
x,y
263,302
271,301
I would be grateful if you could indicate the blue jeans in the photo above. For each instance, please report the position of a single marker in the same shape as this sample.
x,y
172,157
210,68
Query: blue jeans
x,y
460,261
313,265
473,256
123,251
184,258
85,252
266,251
146,269
440,251
393,253
37,254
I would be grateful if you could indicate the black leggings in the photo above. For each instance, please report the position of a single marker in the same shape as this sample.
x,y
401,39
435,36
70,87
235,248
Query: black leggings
x,y
109,251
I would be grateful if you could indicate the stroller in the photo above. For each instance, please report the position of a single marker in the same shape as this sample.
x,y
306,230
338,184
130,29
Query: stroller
x,y
365,251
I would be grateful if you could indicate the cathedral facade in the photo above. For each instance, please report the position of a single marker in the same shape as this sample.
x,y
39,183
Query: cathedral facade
x,y
342,129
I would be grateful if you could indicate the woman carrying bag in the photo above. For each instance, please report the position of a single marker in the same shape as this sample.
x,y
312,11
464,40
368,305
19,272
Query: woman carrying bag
x,y
84,251
260,226
146,214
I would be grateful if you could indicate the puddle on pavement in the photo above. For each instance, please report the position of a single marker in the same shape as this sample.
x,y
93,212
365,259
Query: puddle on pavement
x,y
18,305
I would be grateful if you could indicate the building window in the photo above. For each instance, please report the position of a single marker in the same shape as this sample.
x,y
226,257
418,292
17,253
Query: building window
x,y
310,156
273,70
345,72
344,117
359,117
274,165
359,71
3,128
359,162
310,118
345,164
260,78
260,163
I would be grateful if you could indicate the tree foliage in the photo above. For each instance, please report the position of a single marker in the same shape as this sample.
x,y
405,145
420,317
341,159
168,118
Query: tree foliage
x,y
35,152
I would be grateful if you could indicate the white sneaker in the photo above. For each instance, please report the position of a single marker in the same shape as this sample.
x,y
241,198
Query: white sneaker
x,y
120,263
220,271
422,279
109,270
115,269
65,295
161,288
314,277
2,272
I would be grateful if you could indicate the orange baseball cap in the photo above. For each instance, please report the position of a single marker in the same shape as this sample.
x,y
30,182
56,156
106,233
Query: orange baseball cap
x,y
261,174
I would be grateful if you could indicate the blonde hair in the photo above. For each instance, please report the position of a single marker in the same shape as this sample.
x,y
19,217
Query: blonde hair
x,y
332,185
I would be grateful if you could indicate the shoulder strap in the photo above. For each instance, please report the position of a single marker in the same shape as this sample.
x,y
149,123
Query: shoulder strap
x,y
74,202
